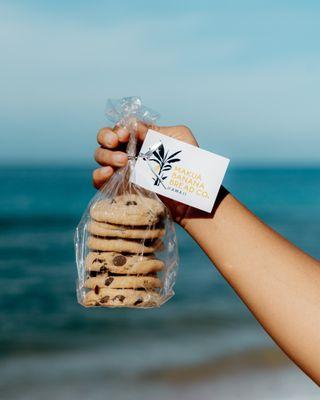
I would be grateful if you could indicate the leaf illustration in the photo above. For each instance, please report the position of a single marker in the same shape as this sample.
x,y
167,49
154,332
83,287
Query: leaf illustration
x,y
157,155
161,151
173,160
167,168
174,154
155,160
164,177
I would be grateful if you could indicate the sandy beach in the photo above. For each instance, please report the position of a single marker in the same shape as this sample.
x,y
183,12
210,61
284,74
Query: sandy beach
x,y
264,374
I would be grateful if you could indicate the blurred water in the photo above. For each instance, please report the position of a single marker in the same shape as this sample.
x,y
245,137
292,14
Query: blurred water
x,y
46,336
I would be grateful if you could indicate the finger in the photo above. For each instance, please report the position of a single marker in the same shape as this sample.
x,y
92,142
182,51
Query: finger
x,y
101,175
122,133
109,157
142,130
107,138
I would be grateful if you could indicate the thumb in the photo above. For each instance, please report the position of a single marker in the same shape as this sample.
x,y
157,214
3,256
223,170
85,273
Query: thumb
x,y
142,129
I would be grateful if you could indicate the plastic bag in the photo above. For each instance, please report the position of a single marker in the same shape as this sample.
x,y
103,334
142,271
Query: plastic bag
x,y
125,243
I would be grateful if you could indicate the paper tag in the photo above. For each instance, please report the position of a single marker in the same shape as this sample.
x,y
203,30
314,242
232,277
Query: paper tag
x,y
179,171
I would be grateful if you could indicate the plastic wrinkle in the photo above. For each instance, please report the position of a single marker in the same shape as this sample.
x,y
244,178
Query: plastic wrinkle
x,y
124,206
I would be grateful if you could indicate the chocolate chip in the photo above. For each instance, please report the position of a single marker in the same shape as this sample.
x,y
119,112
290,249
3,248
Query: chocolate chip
x,y
108,281
93,274
148,242
97,303
105,299
139,301
118,261
131,203
103,269
119,297
96,289
113,201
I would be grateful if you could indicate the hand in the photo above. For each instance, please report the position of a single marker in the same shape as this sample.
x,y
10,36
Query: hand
x,y
110,155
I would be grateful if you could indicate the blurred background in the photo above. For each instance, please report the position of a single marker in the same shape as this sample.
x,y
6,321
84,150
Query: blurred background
x,y
245,76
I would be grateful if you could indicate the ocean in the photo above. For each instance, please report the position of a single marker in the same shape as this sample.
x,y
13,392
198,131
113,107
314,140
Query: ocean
x,y
53,348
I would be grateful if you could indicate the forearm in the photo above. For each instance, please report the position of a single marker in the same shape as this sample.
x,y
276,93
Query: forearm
x,y
278,282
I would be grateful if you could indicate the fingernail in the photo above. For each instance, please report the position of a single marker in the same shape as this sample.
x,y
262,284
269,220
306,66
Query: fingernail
x,y
106,170
120,158
122,133
110,140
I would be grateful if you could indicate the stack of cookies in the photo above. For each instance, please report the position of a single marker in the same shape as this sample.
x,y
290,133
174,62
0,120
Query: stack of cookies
x,y
121,266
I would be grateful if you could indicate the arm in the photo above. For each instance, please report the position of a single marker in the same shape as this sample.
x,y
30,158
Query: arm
x,y
278,282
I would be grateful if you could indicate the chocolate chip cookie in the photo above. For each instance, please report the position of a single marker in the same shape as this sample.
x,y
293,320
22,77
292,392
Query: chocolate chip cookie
x,y
106,297
123,245
123,282
130,264
105,229
128,209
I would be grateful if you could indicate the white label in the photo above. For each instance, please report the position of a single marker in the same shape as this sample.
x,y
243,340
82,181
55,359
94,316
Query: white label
x,y
179,171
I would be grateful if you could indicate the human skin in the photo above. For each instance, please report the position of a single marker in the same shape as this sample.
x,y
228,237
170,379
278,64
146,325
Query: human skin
x,y
279,283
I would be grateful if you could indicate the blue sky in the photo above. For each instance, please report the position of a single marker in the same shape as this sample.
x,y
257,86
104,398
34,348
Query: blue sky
x,y
244,75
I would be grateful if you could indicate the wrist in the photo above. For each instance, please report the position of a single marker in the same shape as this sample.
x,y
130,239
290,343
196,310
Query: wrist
x,y
186,215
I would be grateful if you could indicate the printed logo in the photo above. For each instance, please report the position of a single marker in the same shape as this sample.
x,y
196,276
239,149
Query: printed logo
x,y
164,161
179,171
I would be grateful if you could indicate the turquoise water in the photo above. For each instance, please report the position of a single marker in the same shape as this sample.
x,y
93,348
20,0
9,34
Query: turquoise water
x,y
47,337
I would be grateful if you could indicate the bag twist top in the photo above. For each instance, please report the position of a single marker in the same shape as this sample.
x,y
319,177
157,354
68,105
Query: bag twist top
x,y
127,112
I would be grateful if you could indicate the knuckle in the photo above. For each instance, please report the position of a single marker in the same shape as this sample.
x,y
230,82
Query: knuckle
x,y
101,134
97,154
95,174
94,178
